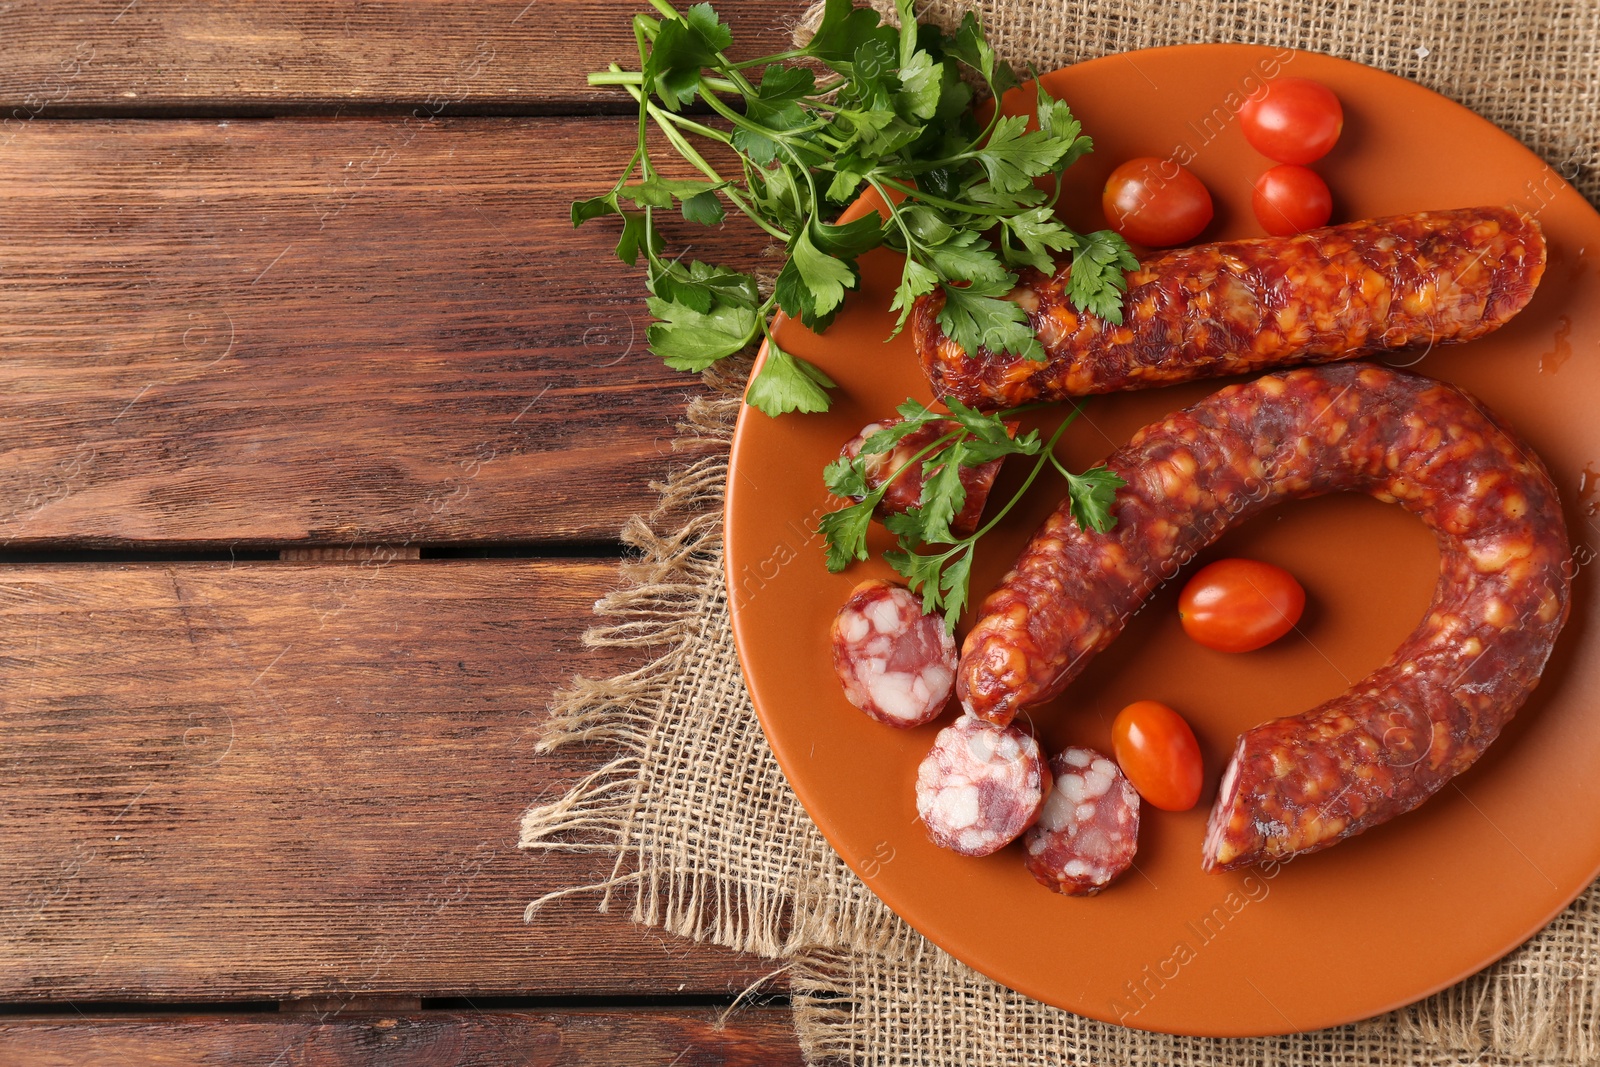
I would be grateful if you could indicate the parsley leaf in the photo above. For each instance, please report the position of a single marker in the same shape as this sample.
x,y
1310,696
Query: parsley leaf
x,y
980,426
943,494
786,383
826,278
843,29
905,525
637,232
703,208
968,257
1014,160
921,85
700,285
974,319
886,438
594,207
921,572
953,585
1092,493
972,48
1098,281
692,340
1039,233
850,239
846,477
1056,120
844,533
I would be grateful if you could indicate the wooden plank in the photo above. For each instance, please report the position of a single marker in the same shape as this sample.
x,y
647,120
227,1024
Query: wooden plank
x,y
752,1037
289,780
276,57
370,331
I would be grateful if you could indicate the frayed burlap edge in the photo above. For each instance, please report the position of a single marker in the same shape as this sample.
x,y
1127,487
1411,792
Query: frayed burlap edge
x,y
856,1008
732,878
663,590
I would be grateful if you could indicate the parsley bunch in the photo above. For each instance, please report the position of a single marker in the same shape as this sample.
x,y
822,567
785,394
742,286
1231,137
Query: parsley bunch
x,y
870,107
942,574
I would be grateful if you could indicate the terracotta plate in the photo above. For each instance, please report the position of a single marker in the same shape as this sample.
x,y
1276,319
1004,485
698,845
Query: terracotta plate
x,y
1375,923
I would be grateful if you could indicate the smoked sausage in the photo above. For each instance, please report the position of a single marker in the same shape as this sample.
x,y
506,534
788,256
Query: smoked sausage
x,y
1307,781
1329,294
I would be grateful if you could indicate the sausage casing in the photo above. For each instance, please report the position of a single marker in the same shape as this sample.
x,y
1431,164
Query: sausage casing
x,y
1329,294
1304,782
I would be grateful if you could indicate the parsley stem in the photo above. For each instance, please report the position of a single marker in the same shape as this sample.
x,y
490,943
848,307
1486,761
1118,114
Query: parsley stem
x,y
914,193
793,53
711,134
734,117
1048,453
633,77
1060,467
666,9
688,152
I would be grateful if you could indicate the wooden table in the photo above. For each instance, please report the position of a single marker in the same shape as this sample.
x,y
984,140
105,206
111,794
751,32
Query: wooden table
x,y
317,426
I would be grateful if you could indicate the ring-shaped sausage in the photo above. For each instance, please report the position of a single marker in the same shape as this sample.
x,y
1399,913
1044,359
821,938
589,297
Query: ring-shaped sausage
x,y
1305,782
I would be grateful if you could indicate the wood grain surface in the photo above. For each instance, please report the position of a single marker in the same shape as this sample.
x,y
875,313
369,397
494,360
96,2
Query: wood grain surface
x,y
381,331
280,780
751,1037
276,57
351,339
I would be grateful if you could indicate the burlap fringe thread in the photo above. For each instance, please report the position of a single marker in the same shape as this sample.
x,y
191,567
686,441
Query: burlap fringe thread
x,y
723,853
731,882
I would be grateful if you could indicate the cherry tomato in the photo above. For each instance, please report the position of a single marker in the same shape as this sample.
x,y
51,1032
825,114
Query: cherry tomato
x,y
1296,121
1290,199
1157,751
1155,202
1236,605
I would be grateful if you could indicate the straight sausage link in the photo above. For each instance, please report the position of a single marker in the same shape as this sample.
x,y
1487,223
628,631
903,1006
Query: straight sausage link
x,y
1330,294
1304,782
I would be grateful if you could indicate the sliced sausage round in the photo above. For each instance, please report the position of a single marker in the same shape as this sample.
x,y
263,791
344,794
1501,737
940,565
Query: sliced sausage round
x,y
981,786
895,663
1088,832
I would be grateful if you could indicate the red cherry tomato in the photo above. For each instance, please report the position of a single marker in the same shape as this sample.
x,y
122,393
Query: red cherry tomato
x,y
1236,605
1290,199
1296,121
1155,202
1157,751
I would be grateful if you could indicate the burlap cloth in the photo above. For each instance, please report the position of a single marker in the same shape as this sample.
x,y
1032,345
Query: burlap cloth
x,y
711,844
